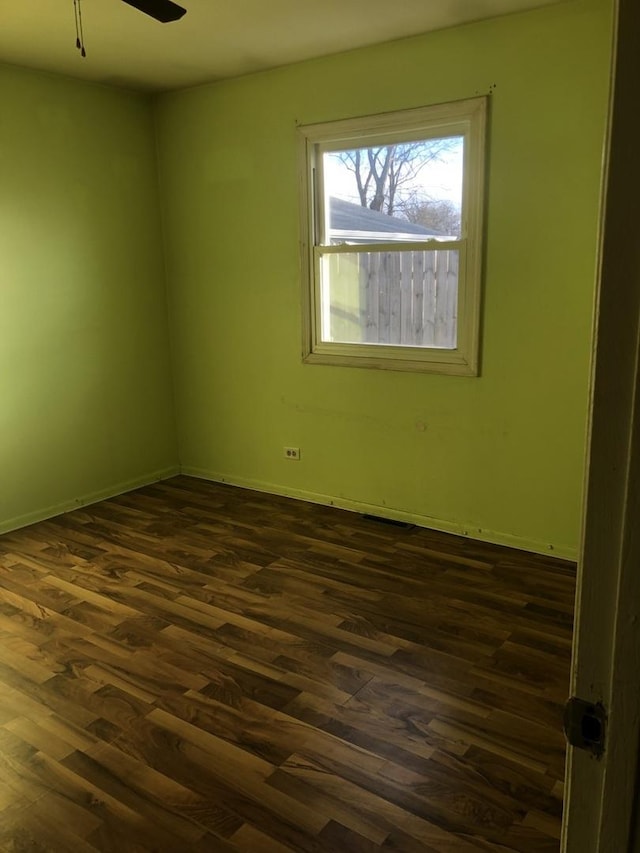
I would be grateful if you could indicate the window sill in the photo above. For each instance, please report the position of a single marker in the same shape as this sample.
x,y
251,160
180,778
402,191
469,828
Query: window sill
x,y
444,362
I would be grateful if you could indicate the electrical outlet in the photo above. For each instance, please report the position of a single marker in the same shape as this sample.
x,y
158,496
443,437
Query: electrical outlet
x,y
292,453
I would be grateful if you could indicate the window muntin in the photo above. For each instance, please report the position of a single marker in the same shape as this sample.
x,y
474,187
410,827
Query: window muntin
x,y
393,277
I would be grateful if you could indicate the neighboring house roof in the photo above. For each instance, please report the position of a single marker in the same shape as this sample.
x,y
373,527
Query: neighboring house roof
x,y
352,223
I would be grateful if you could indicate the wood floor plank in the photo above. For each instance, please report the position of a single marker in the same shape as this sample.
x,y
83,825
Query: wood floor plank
x,y
196,667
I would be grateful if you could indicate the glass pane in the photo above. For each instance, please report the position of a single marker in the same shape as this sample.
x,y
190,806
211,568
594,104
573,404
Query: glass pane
x,y
395,298
407,191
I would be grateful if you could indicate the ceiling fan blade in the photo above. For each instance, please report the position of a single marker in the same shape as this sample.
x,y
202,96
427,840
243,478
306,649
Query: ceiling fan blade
x,y
162,10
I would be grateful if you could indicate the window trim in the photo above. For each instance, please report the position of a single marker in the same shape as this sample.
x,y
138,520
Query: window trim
x,y
459,118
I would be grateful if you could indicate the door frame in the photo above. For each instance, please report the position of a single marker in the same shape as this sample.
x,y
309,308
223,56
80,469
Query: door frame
x,y
601,793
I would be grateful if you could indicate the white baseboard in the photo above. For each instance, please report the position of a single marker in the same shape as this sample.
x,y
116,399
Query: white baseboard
x,y
495,537
84,500
484,535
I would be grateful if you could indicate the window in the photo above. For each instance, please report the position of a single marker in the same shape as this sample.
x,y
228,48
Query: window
x,y
392,237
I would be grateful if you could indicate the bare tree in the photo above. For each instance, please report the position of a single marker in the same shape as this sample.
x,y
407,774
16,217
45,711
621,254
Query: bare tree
x,y
385,176
441,215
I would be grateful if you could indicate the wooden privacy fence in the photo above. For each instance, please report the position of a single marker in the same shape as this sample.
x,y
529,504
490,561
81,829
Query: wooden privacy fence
x,y
404,299
409,298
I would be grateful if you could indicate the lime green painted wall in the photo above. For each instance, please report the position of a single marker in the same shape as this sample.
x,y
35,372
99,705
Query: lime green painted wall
x,y
85,391
500,456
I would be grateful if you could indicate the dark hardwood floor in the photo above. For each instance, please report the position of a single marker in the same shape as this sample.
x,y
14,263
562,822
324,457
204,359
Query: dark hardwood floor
x,y
195,667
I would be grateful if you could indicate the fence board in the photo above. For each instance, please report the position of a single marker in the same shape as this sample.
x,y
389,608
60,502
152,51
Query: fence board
x,y
406,301
395,297
451,310
430,294
418,298
371,271
385,285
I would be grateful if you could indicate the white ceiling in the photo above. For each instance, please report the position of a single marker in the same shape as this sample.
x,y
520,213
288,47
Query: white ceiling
x,y
216,38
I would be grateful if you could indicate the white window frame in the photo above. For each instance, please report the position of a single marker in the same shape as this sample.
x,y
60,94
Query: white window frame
x,y
465,118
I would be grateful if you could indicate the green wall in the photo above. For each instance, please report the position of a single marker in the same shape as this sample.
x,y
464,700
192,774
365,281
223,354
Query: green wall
x,y
86,404
500,456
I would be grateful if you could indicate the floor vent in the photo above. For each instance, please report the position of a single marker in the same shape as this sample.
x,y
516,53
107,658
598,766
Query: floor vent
x,y
403,525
